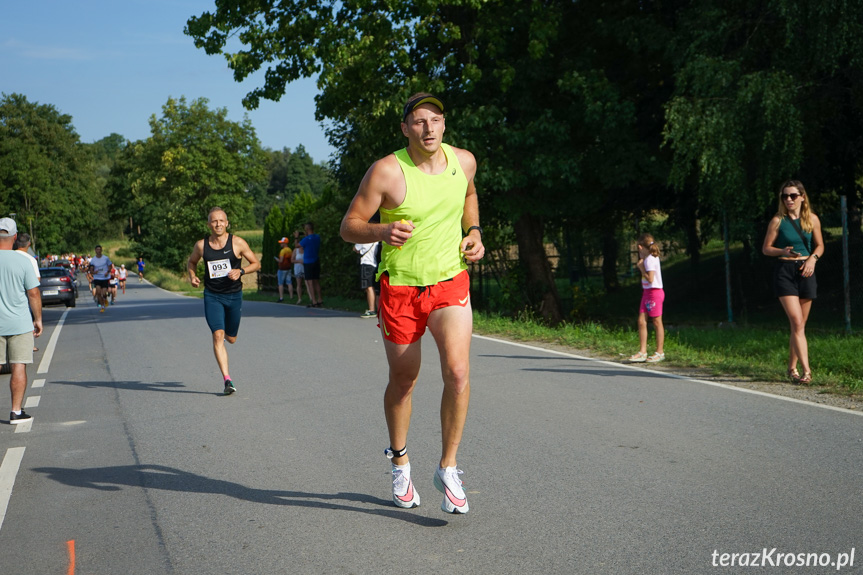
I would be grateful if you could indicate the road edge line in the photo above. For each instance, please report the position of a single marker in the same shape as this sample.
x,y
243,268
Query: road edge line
x,y
674,376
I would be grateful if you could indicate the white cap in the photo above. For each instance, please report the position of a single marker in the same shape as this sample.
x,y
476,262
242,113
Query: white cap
x,y
7,228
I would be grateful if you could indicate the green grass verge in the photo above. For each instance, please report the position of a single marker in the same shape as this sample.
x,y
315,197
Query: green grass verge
x,y
758,354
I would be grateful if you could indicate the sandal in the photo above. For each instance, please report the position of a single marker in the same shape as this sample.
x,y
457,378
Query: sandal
x,y
656,357
639,357
806,379
793,375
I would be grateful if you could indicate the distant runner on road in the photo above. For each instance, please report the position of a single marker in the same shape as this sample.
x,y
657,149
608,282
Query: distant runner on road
x,y
223,255
100,267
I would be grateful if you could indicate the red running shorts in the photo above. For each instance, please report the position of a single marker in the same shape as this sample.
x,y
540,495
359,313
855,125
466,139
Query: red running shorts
x,y
404,310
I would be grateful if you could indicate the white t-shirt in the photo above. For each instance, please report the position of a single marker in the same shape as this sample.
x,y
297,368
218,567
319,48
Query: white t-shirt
x,y
101,268
32,261
367,251
651,263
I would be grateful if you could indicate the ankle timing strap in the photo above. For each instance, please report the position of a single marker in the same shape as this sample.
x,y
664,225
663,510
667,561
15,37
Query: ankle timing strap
x,y
390,452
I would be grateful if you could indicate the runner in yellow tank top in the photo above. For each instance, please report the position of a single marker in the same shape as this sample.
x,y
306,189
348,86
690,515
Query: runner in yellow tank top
x,y
427,200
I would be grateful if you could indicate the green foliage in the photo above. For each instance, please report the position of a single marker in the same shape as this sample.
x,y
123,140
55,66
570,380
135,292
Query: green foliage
x,y
46,177
290,174
697,109
194,159
273,231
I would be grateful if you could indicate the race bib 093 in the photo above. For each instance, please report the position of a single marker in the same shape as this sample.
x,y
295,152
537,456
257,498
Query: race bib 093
x,y
219,268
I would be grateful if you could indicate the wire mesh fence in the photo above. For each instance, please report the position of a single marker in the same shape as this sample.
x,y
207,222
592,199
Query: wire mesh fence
x,y
740,292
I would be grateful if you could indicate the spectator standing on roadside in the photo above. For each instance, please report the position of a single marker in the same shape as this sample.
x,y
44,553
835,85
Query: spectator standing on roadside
x,y
284,273
312,264
794,238
22,246
652,298
368,269
297,258
20,316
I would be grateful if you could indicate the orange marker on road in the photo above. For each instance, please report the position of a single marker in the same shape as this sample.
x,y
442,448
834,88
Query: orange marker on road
x,y
70,545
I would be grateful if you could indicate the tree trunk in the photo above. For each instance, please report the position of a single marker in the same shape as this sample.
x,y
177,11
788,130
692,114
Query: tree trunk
x,y
541,290
610,249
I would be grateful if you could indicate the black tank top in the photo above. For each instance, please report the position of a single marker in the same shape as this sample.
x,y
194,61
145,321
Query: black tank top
x,y
218,263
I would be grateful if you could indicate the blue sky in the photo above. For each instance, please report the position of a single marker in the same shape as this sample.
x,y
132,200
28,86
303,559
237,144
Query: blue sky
x,y
112,64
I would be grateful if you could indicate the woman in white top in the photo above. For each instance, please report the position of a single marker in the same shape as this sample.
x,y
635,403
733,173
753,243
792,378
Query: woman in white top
x,y
652,298
299,270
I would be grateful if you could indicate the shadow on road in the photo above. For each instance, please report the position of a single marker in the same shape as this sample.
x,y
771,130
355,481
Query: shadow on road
x,y
167,386
592,370
171,479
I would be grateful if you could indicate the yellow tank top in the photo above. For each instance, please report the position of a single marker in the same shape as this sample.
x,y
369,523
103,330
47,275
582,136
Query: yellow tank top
x,y
435,205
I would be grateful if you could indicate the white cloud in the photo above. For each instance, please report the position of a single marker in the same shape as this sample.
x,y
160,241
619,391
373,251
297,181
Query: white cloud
x,y
46,52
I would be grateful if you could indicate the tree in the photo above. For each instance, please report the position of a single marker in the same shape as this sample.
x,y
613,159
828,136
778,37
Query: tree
x,y
542,116
194,159
583,114
46,176
105,153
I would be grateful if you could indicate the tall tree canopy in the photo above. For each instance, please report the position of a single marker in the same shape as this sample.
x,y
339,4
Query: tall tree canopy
x,y
194,159
538,109
46,176
582,115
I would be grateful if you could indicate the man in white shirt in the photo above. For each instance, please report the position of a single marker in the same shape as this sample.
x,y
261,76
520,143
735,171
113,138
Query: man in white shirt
x,y
368,269
22,246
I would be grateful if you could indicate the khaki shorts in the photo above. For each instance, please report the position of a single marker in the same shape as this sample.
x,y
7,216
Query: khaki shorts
x,y
17,348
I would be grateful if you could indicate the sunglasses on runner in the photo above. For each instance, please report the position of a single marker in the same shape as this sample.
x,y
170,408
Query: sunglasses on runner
x,y
792,197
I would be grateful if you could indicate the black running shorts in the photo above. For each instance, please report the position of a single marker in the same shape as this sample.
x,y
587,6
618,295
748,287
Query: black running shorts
x,y
787,280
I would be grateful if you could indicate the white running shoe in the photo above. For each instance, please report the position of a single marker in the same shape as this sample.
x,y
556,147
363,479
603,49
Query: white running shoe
x,y
404,494
447,481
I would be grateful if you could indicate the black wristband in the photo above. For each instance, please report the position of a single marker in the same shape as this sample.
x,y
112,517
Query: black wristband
x,y
475,228
242,272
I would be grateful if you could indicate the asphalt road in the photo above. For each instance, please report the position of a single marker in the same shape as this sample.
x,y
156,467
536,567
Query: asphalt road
x,y
135,463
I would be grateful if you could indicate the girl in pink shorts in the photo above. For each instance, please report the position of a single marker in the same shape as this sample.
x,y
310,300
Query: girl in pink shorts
x,y
652,296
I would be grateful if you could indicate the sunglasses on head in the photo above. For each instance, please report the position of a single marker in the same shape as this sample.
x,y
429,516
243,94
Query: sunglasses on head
x,y
791,197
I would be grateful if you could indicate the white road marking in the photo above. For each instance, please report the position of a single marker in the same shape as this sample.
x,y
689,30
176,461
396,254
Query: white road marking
x,y
8,471
37,383
24,427
52,343
32,401
674,376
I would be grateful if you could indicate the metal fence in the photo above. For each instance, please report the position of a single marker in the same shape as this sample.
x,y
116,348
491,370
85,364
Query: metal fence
x,y
746,283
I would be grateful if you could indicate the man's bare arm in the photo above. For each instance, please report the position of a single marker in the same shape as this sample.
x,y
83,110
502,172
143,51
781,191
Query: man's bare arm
x,y
379,184
35,300
192,263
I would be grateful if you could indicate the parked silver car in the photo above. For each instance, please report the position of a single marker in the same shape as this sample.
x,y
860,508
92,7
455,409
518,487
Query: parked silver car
x,y
58,286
